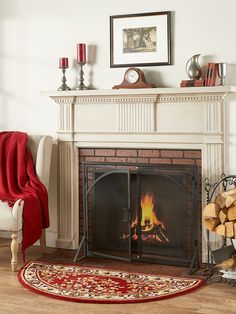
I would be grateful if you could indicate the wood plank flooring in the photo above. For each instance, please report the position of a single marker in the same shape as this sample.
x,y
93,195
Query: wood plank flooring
x,y
211,298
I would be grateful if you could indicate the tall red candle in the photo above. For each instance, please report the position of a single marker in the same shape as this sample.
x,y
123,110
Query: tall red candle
x,y
81,53
63,63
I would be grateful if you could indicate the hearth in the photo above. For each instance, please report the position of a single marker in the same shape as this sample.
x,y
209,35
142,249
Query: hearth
x,y
141,212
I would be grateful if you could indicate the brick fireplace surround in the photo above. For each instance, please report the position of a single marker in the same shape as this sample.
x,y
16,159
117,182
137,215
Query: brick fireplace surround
x,y
164,125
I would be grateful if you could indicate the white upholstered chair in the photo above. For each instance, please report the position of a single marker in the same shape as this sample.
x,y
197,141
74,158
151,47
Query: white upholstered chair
x,y
11,218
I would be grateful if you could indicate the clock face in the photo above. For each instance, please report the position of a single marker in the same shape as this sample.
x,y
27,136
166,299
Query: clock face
x,y
132,76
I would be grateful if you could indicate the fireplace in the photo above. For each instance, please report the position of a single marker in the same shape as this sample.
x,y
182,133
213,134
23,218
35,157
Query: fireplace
x,y
141,211
158,118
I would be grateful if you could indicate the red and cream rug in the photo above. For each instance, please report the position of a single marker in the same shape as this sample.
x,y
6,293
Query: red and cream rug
x,y
97,285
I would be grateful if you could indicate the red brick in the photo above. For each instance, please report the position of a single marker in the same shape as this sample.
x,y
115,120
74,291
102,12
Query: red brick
x,y
98,159
148,153
86,152
138,160
199,162
192,154
104,152
115,159
160,161
90,177
172,153
184,161
126,152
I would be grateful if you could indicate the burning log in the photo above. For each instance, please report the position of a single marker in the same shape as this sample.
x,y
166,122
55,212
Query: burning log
x,y
157,232
152,229
160,234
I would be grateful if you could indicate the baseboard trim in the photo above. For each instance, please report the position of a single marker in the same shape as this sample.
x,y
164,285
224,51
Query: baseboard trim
x,y
65,244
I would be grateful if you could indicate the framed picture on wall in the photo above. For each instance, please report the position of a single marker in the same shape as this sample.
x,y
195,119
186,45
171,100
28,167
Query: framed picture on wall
x,y
142,39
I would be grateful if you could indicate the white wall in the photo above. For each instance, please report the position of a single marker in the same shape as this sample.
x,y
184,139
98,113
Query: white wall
x,y
34,34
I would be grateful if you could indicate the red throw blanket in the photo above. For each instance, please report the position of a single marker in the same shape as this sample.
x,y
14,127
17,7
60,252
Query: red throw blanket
x,y
18,181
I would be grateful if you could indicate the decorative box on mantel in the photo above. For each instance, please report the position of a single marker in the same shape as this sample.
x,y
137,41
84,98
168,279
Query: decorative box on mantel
x,y
159,118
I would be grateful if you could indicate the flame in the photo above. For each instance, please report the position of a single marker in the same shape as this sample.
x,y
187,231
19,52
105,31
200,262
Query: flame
x,y
149,218
152,229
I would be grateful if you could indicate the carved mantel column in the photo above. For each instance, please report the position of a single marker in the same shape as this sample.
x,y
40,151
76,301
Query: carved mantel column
x,y
68,175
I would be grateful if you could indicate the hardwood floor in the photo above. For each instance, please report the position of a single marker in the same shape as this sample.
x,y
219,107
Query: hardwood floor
x,y
211,298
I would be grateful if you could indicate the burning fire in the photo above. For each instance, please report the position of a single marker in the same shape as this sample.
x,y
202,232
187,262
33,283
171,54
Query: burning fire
x,y
151,227
149,218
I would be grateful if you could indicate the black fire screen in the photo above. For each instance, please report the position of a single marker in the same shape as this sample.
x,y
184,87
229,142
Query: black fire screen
x,y
144,213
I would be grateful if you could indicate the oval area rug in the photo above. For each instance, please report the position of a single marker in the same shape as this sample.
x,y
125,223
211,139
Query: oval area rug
x,y
97,285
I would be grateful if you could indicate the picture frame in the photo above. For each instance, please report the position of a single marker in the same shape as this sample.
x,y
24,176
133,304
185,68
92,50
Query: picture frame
x,y
142,39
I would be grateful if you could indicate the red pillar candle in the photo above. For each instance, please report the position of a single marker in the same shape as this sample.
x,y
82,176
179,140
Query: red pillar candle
x,y
81,53
63,63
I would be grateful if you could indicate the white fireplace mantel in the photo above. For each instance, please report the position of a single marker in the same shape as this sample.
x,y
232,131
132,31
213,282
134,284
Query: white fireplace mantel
x,y
170,118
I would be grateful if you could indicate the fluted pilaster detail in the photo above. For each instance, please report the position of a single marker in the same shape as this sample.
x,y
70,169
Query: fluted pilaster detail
x,y
68,195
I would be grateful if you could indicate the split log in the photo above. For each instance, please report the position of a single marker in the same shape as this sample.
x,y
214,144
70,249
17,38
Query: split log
x,y
223,215
229,227
211,210
220,229
231,192
232,213
220,200
230,197
210,223
220,216
230,200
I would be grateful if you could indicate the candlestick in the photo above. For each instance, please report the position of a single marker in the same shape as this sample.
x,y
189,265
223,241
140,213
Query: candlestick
x,y
81,77
81,52
63,64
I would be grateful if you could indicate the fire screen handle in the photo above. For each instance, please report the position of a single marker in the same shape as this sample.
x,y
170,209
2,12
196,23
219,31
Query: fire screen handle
x,y
127,215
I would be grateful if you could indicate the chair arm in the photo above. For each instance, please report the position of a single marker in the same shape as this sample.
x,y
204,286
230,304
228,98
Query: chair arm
x,y
17,211
43,160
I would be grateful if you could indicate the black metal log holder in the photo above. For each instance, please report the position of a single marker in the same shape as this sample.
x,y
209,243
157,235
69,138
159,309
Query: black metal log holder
x,y
212,272
83,249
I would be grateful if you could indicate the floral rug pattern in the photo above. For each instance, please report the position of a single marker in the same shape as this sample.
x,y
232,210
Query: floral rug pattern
x,y
98,285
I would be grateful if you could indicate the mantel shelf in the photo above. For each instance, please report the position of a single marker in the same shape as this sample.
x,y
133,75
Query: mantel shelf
x,y
142,91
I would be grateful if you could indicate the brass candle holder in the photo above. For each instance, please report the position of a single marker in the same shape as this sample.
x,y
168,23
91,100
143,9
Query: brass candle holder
x,y
81,77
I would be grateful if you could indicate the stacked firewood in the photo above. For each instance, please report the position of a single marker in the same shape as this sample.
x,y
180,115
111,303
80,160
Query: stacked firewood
x,y
220,216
